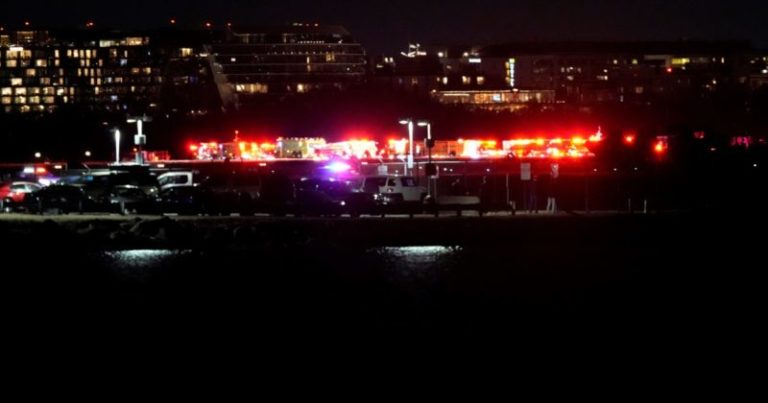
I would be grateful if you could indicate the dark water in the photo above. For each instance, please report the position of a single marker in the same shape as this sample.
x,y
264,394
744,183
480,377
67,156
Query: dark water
x,y
682,288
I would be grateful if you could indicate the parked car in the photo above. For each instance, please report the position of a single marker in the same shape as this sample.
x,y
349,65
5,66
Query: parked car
x,y
12,194
332,197
62,199
127,199
187,200
277,196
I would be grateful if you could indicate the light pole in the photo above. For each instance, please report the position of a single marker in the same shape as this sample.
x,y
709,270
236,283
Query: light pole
x,y
409,123
140,139
117,146
430,144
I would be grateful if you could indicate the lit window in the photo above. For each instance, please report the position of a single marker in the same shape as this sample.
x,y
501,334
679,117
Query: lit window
x,y
33,90
21,91
41,63
16,82
34,100
480,80
6,91
31,72
7,100
466,80
133,41
11,63
445,80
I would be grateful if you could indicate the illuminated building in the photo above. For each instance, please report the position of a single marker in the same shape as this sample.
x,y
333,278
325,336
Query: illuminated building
x,y
41,71
501,100
622,72
546,73
294,59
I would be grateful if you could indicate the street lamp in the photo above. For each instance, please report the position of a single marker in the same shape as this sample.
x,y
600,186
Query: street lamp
x,y
117,146
38,155
431,171
409,123
88,154
140,139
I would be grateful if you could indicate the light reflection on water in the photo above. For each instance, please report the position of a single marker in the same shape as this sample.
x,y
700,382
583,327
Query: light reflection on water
x,y
139,263
419,255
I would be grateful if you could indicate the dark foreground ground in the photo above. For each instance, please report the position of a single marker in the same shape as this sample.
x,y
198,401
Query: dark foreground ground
x,y
678,284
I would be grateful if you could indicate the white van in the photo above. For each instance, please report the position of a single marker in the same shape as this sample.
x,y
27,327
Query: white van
x,y
176,179
393,189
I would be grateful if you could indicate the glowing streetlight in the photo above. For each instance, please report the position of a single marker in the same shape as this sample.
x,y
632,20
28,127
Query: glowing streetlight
x,y
88,154
117,146
38,155
409,123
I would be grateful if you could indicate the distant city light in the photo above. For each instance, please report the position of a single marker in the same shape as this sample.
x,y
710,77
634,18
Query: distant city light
x,y
38,155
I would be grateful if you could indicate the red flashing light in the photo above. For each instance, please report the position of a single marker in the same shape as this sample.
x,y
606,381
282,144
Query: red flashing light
x,y
173,21
629,139
660,147
670,70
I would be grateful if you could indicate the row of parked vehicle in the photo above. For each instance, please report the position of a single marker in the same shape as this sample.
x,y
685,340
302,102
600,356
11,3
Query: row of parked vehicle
x,y
195,193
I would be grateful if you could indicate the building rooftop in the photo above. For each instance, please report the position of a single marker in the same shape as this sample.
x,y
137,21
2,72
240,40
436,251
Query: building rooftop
x,y
638,47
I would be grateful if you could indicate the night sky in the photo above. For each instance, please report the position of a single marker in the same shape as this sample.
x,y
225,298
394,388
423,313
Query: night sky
x,y
388,25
